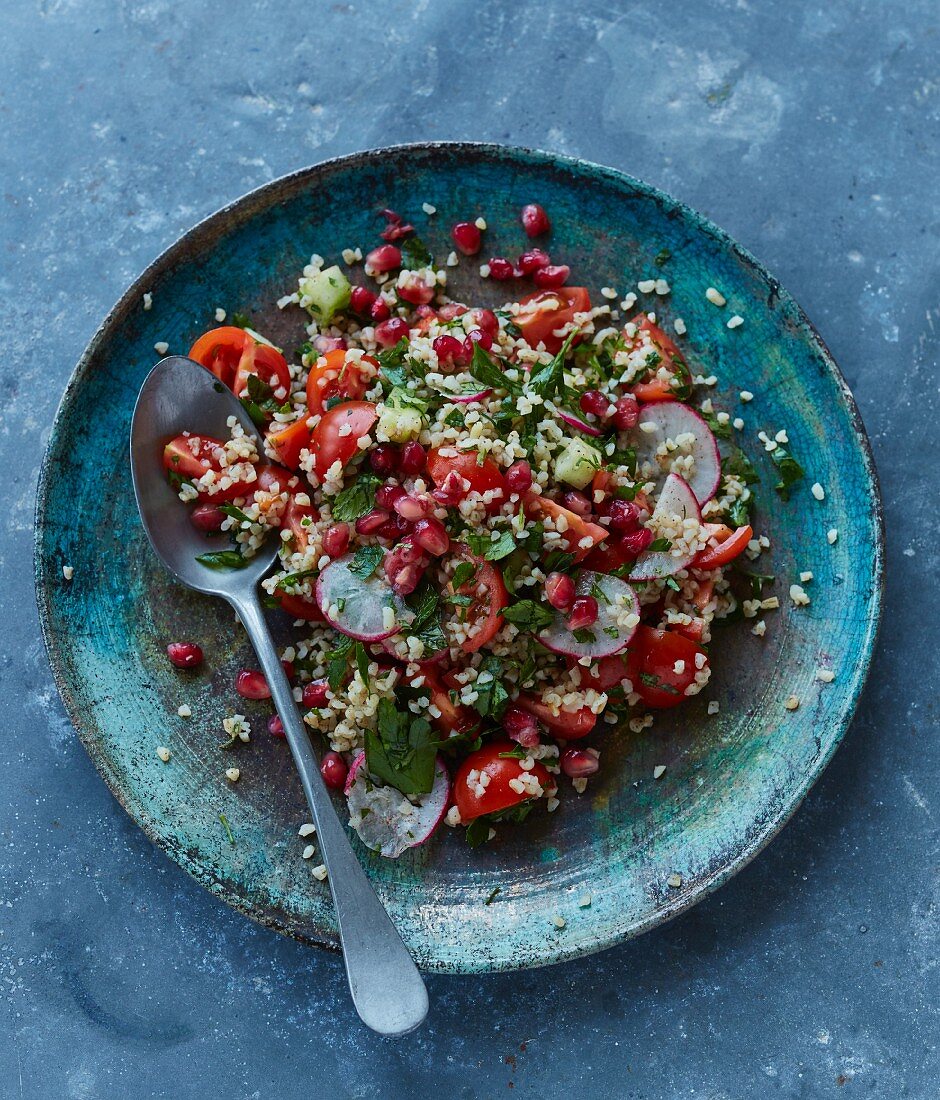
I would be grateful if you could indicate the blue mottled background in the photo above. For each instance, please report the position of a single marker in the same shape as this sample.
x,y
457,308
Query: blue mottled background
x,y
810,132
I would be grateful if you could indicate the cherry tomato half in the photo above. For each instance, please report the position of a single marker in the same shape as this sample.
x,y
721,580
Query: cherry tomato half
x,y
497,795
180,458
232,354
577,530
568,725
288,441
482,476
539,322
726,549
454,717
331,376
292,520
332,444
651,660
488,595
658,389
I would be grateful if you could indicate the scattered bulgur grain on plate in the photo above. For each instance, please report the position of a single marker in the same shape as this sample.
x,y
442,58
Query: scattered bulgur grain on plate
x,y
164,753
68,572
791,702
675,881
715,296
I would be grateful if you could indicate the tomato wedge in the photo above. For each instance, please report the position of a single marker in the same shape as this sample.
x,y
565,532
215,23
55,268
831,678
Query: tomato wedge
x,y
727,549
482,476
292,520
577,530
180,458
497,795
568,725
658,389
610,672
651,660
546,311
299,607
232,354
487,592
331,442
455,718
331,376
288,441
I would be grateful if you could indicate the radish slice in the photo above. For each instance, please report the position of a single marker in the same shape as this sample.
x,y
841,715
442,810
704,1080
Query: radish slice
x,y
672,420
384,819
469,398
578,424
355,606
617,619
676,499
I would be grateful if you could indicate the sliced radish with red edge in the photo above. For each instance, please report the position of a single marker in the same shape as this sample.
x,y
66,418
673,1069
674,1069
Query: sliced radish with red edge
x,y
671,420
386,821
676,499
354,606
615,599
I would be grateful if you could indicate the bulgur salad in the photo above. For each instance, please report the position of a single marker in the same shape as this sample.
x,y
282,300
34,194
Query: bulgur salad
x,y
501,530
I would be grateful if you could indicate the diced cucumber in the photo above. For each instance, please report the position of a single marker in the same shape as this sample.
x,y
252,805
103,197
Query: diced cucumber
x,y
325,294
402,416
577,463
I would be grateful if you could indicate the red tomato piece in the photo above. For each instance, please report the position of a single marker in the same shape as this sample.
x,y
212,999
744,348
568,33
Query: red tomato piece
x,y
299,607
538,324
331,376
578,528
497,795
482,476
232,355
180,458
651,661
610,672
672,358
605,559
727,549
292,520
331,446
488,593
455,718
568,725
288,441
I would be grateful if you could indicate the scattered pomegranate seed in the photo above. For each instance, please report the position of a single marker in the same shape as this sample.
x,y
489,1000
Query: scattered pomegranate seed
x,y
394,528
334,771
371,521
361,300
276,726
559,591
314,695
336,540
431,535
390,215
383,459
535,220
477,336
635,542
627,414
404,576
184,654
387,494
395,231
584,612
207,518
486,320
500,269
447,349
554,275
533,260
251,684
413,508
577,502
579,763
452,490
384,258
416,291
595,403
323,344
467,238
624,515
380,310
413,458
519,477
521,726
450,310
389,332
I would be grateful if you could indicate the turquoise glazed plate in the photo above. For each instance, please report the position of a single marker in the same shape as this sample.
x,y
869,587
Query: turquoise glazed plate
x,y
731,779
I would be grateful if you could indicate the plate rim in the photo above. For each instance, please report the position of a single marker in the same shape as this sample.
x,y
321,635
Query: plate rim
x,y
241,209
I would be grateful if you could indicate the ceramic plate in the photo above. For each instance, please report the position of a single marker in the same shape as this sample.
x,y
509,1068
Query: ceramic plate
x,y
731,779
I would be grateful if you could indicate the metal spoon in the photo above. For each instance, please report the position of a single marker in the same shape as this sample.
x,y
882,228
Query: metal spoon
x,y
180,395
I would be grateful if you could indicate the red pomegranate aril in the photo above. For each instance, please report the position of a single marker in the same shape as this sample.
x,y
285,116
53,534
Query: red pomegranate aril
x,y
559,591
384,258
207,518
314,695
500,269
477,336
486,320
534,220
390,215
521,727
405,579
395,231
447,349
450,310
371,521
336,540
380,310
416,291
184,654
334,771
580,763
393,529
519,477
627,412
624,515
431,535
533,260
361,300
276,726
594,403
467,238
251,684
386,495
413,508
635,542
552,276
413,458
389,332
452,490
577,502
584,612
383,459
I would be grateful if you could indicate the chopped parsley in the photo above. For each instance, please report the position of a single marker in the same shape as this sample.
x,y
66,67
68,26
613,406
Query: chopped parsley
x,y
400,750
489,374
365,561
738,465
789,469
223,559
356,499
492,696
415,254
660,546
464,571
529,615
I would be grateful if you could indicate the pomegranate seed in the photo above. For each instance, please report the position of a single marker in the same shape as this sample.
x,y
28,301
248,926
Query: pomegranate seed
x,y
336,540
467,238
584,612
533,260
386,496
624,515
389,332
184,654
314,695
519,477
361,300
430,534
447,349
207,518
635,542
559,591
323,344
371,521
334,771
395,231
380,310
535,220
500,269
413,458
425,311
276,726
627,414
451,491
416,291
390,215
384,258
410,553
554,275
477,336
451,310
251,684
405,579
413,508
394,528
595,403
577,502
521,726
383,459
486,320
579,763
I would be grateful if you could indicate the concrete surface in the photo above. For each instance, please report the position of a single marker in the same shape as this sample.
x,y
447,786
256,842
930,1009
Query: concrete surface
x,y
810,132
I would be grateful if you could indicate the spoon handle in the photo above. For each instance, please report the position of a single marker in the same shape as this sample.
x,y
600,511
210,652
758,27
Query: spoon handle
x,y
387,990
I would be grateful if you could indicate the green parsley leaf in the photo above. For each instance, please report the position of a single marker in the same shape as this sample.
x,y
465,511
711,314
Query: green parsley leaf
x,y
492,696
223,559
672,583
664,255
488,373
464,571
478,831
454,419
365,561
392,363
356,499
659,545
738,514
501,548
789,469
400,750
415,254
558,561
292,580
584,636
529,615
509,326
737,464
517,753
718,429
235,513
548,379
240,320
598,593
